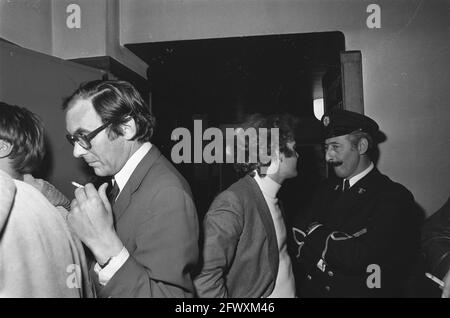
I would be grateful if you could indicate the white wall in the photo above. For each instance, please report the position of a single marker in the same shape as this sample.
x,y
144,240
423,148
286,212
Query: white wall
x,y
405,65
87,41
27,23
40,25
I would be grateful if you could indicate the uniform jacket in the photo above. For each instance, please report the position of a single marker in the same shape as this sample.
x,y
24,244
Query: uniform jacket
x,y
156,220
436,241
240,251
367,240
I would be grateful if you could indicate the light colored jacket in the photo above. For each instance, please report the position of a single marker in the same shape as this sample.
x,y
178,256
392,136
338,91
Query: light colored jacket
x,y
38,255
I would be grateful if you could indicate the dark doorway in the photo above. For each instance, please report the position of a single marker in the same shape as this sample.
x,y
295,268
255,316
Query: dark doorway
x,y
223,80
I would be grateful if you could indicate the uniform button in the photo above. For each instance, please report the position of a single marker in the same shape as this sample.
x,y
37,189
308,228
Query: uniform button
x,y
330,273
327,288
309,277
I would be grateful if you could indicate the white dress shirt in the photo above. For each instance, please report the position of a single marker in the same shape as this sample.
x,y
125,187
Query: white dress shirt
x,y
125,173
284,284
122,177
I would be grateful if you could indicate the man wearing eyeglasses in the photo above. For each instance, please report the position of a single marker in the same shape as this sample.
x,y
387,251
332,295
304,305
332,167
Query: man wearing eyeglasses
x,y
144,233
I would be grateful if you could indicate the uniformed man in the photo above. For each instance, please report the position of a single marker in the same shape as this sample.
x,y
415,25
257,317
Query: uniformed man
x,y
362,232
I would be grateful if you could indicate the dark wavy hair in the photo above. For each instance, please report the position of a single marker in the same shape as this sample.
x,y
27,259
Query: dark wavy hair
x,y
24,131
284,122
116,102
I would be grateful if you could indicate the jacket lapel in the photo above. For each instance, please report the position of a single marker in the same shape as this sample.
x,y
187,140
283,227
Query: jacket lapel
x,y
323,206
124,198
359,193
267,221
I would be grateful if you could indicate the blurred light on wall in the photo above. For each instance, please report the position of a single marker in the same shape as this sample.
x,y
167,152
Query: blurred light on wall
x,y
318,108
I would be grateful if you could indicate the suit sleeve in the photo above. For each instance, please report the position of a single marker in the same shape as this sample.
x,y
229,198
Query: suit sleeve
x,y
166,251
392,226
436,241
222,228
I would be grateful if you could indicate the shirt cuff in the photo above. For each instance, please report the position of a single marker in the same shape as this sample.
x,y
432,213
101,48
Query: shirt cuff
x,y
116,262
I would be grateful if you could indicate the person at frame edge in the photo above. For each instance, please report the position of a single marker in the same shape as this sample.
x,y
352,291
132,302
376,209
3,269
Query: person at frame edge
x,y
361,234
436,245
39,256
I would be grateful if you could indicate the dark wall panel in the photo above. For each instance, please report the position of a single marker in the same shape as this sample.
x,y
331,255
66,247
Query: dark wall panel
x,y
40,83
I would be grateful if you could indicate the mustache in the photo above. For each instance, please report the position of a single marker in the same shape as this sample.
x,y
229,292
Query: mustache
x,y
335,163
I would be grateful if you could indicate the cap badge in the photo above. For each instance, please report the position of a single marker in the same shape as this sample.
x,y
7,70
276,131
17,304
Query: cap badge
x,y
326,121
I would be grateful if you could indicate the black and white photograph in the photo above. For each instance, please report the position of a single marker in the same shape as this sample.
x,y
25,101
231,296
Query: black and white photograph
x,y
225,154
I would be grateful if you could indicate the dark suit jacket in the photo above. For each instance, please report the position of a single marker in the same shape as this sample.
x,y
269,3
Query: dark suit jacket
x,y
240,251
156,220
436,241
374,222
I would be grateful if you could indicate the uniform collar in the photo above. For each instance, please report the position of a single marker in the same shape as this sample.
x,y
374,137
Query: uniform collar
x,y
360,175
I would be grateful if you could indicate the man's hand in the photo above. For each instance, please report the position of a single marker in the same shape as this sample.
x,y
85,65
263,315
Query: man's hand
x,y
446,290
52,194
91,219
7,193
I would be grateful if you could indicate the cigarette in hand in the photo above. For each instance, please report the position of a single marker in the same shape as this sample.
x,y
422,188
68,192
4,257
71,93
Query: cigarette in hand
x,y
77,184
435,279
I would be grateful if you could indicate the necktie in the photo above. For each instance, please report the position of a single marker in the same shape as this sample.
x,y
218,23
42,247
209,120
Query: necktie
x,y
112,195
346,185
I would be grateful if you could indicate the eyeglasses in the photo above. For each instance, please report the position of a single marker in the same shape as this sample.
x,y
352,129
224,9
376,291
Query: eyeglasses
x,y
85,140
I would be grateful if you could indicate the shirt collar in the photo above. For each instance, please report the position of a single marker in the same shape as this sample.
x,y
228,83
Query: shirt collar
x,y
125,173
268,187
360,175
